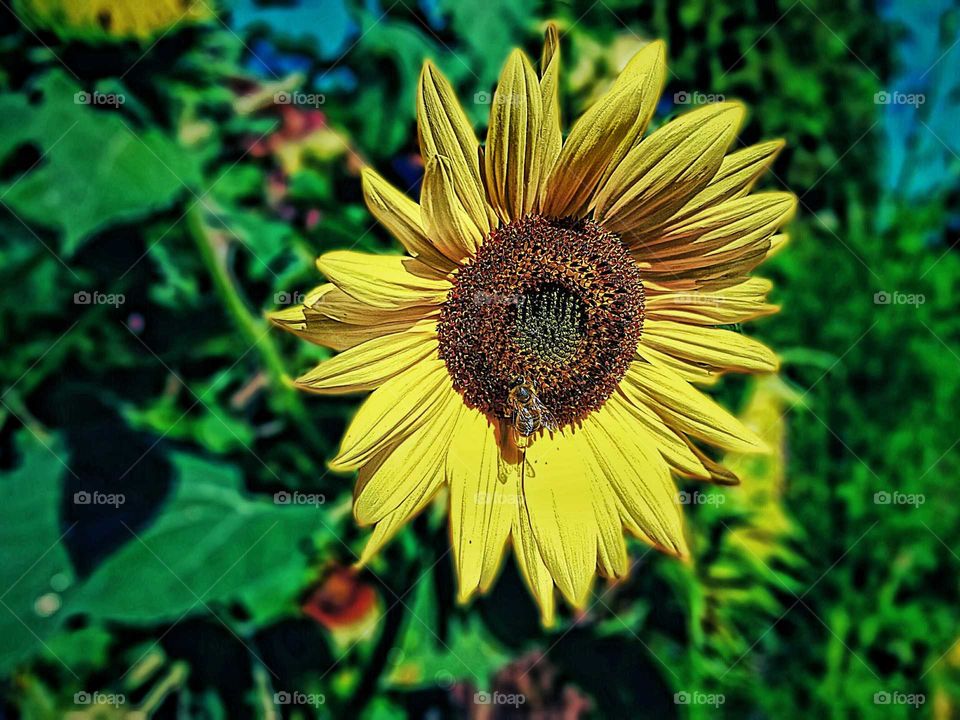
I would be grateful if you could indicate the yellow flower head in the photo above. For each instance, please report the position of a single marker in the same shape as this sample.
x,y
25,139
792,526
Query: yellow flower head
x,y
112,19
537,349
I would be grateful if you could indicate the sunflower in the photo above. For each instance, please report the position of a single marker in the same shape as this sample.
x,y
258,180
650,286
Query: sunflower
x,y
538,349
142,20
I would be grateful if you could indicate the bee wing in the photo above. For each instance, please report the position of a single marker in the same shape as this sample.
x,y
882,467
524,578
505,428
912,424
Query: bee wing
x,y
549,421
546,417
524,421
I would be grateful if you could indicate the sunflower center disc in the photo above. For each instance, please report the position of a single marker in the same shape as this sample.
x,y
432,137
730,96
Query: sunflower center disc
x,y
558,303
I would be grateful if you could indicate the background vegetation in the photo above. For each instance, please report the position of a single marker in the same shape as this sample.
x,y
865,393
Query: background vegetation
x,y
171,541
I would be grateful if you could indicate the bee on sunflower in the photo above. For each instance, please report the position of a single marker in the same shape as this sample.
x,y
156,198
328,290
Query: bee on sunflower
x,y
538,349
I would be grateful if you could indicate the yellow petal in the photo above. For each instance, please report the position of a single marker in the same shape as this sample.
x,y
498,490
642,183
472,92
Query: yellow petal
x,y
392,522
534,571
550,135
551,46
557,489
720,348
598,136
737,175
658,176
482,502
692,372
649,65
638,475
687,409
383,281
401,217
777,243
335,320
718,473
409,465
655,433
611,548
444,130
716,230
719,246
370,364
337,305
512,156
302,320
735,304
393,411
454,230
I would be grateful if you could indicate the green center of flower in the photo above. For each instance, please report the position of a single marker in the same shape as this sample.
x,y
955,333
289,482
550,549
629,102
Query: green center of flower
x,y
549,324
551,308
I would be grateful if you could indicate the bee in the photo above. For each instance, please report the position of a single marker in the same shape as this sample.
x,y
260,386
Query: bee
x,y
528,414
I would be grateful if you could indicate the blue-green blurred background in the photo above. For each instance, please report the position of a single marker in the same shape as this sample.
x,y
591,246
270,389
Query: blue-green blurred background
x,y
172,544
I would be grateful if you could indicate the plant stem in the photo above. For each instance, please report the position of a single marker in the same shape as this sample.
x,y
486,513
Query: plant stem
x,y
213,251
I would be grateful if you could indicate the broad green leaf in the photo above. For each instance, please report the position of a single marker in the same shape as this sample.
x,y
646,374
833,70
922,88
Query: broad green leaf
x,y
213,543
97,168
465,652
34,566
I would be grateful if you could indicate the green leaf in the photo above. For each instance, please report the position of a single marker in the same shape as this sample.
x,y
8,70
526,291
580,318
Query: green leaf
x,y
34,566
84,648
213,543
465,652
96,169
489,32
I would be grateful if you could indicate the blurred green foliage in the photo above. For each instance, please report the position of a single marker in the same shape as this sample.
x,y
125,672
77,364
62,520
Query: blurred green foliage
x,y
147,223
